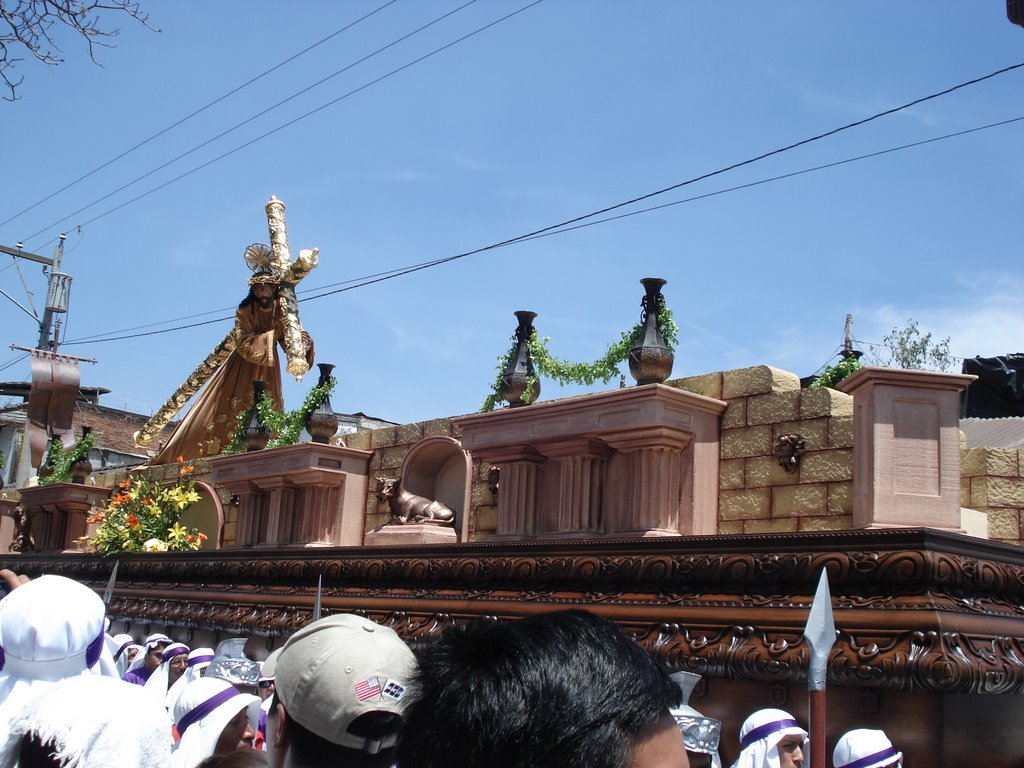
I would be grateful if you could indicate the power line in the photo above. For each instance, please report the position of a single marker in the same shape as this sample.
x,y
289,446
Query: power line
x,y
284,125
555,229
196,112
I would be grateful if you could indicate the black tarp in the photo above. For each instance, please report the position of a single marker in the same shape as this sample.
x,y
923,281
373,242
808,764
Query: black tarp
x,y
998,390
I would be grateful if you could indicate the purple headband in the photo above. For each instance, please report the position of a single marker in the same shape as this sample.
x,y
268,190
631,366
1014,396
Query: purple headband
x,y
193,660
201,711
767,730
123,648
92,651
871,759
173,650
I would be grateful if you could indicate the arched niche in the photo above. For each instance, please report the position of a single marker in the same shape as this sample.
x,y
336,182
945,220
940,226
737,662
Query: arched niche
x,y
438,468
207,515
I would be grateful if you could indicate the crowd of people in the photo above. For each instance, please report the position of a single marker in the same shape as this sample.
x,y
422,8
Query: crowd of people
x,y
564,689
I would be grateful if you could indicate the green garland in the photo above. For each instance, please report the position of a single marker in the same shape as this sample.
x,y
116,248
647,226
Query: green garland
x,y
284,426
603,369
59,461
833,374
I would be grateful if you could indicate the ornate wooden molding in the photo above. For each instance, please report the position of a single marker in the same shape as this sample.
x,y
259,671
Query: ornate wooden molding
x,y
916,609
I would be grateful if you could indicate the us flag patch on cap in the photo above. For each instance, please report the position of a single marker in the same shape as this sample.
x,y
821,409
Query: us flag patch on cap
x,y
367,689
394,690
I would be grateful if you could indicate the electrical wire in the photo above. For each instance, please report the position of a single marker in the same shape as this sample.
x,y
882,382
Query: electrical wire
x,y
202,109
555,229
250,120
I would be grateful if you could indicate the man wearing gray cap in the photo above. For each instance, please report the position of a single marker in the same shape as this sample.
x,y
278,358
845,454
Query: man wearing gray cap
x,y
340,690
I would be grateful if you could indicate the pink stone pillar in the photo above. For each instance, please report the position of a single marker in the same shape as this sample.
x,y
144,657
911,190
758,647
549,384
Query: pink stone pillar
x,y
574,509
654,484
518,490
906,447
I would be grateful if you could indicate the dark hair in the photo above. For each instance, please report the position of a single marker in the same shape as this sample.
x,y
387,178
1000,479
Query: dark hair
x,y
251,297
239,758
566,689
308,749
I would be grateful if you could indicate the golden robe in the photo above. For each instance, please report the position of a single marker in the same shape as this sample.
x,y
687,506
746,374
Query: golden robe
x,y
211,421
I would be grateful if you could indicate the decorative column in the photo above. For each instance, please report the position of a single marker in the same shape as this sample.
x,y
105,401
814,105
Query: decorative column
x,y
654,482
520,482
573,510
308,494
906,447
58,513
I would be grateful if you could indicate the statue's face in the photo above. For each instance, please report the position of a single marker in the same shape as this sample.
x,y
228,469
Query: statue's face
x,y
264,293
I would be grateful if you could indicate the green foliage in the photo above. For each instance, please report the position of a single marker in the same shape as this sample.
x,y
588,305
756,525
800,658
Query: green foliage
x,y
3,460
142,516
833,374
59,460
284,426
907,347
604,369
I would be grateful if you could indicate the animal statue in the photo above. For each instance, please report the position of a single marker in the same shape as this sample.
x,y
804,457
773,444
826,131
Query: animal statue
x,y
22,541
407,507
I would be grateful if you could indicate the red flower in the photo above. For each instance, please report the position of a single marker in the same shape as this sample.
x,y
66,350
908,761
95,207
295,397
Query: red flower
x,y
133,521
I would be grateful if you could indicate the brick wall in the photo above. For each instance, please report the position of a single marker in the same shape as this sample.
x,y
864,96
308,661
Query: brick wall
x,y
992,481
756,495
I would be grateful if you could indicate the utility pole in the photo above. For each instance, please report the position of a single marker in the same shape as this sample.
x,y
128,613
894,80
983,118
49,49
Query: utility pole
x,y
58,290
848,336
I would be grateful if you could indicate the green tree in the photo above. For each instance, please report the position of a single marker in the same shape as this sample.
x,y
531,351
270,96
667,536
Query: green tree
x,y
34,27
907,347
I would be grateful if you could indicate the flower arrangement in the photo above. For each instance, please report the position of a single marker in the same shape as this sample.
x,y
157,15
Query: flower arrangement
x,y
59,460
143,516
565,372
284,426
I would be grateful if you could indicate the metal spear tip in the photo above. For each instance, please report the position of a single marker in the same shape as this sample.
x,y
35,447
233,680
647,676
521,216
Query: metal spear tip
x,y
109,591
820,633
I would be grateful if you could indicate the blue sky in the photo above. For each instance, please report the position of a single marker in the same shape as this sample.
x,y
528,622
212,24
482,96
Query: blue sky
x,y
564,109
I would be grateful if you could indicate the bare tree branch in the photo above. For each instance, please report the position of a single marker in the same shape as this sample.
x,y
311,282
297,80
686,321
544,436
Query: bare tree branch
x,y
35,26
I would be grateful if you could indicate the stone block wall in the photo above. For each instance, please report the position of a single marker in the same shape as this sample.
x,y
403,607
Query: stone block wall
x,y
756,495
992,481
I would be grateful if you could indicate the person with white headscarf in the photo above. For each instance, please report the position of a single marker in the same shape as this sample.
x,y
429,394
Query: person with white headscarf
x,y
866,748
119,647
211,717
147,660
772,738
198,660
92,722
172,666
51,629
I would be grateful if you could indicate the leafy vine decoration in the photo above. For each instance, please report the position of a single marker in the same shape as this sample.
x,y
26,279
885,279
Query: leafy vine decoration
x,y
284,426
603,369
833,374
60,460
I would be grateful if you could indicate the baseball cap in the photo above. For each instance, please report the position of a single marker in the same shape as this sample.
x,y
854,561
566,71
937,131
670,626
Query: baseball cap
x,y
865,748
341,667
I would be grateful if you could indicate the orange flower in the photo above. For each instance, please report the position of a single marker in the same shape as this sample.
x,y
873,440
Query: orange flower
x,y
120,498
96,517
179,460
202,536
125,484
186,469
133,521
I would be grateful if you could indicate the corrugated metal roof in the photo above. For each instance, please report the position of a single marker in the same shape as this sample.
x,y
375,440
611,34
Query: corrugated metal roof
x,y
1007,432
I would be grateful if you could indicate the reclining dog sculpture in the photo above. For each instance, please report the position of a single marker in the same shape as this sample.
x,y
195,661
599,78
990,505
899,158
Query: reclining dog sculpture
x,y
408,507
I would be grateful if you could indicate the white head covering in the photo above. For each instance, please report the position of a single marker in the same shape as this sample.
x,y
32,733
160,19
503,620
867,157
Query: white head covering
x,y
140,658
201,712
865,748
98,722
157,682
51,628
118,646
760,736
198,660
